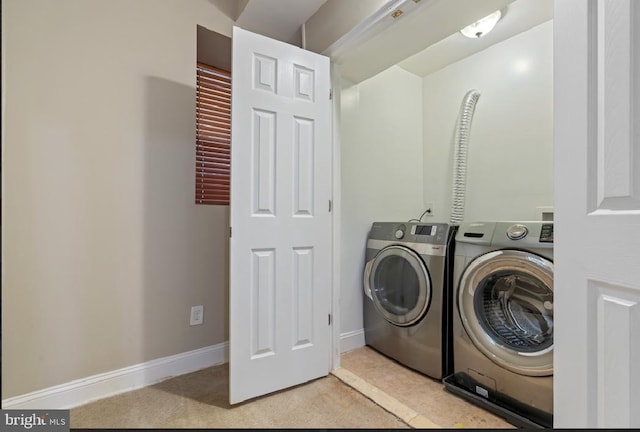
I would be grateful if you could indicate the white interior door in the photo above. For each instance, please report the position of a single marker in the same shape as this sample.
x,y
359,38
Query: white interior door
x,y
597,220
280,250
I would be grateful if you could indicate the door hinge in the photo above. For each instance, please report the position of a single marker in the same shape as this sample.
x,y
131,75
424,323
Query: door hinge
x,y
229,232
330,94
329,319
330,206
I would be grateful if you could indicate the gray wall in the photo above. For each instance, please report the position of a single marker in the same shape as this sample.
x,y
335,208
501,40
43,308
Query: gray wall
x,y
103,249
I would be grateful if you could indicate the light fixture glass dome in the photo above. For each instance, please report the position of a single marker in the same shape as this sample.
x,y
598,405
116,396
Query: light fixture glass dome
x,y
483,26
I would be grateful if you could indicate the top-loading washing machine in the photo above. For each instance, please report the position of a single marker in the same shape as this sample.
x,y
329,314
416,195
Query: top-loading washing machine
x,y
503,319
407,301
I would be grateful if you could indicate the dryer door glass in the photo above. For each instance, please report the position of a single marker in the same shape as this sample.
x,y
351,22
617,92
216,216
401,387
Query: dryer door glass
x,y
506,305
400,285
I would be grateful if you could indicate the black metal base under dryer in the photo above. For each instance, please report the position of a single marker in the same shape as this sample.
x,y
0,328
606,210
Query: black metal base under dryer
x,y
510,414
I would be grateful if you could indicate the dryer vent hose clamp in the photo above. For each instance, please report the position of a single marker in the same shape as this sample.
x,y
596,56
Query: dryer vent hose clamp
x,y
463,130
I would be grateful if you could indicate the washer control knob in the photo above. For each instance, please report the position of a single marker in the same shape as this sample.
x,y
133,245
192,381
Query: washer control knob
x,y
399,234
517,232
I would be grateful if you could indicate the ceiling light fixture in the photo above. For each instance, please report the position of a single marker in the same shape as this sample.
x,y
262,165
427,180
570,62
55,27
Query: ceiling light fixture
x,y
483,26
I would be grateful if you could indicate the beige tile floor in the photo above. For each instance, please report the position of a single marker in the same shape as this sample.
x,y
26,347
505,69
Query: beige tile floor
x,y
200,400
421,395
380,393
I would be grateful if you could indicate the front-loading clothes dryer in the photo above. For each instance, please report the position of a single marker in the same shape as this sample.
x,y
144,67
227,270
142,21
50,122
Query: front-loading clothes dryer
x,y
503,319
407,300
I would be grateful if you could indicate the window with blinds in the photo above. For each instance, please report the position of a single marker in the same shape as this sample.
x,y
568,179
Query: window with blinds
x,y
213,135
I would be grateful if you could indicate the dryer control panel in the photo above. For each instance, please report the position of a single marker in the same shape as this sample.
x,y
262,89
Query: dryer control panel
x,y
430,233
429,230
433,233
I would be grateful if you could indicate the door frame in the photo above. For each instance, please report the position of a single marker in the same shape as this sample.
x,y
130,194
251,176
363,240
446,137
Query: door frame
x,y
350,42
334,361
374,24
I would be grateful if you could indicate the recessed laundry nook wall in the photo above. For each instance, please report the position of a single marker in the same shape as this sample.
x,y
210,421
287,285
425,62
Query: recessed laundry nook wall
x,y
510,154
381,170
388,174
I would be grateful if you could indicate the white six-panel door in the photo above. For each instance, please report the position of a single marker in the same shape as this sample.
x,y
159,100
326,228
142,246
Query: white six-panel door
x,y
597,220
280,248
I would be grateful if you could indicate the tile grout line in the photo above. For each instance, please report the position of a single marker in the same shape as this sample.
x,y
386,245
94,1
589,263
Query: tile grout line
x,y
385,401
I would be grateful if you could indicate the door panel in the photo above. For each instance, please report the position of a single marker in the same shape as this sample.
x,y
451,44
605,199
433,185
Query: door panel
x,y
263,163
615,332
616,157
280,249
597,277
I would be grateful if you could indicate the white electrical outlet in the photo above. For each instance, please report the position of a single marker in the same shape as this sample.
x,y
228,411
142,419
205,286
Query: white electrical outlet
x,y
428,209
197,315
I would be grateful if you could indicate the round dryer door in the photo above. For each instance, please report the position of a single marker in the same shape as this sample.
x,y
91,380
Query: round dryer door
x,y
400,285
505,301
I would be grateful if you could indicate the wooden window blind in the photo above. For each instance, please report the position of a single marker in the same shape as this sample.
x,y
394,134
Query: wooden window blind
x,y
213,135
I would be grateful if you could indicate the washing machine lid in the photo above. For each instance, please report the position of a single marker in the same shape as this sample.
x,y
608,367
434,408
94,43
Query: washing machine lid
x,y
505,300
399,285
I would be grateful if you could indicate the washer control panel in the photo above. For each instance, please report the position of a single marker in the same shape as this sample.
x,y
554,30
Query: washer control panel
x,y
507,234
517,232
546,233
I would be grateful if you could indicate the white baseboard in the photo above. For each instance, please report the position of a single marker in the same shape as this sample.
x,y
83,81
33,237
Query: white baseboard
x,y
351,340
85,390
82,391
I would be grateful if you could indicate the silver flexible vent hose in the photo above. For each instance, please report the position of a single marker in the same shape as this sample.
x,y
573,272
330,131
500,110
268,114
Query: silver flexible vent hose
x,y
463,129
